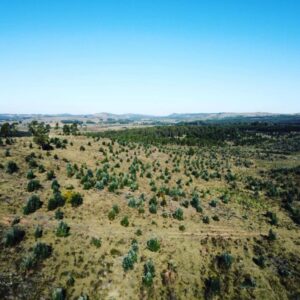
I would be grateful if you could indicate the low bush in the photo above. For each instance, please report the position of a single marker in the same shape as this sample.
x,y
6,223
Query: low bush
x,y
272,236
149,273
13,236
213,203
225,260
33,185
28,262
33,204
59,294
11,167
30,175
55,201
76,199
153,245
125,222
42,251
205,219
178,214
62,230
38,232
50,175
212,287
59,215
96,242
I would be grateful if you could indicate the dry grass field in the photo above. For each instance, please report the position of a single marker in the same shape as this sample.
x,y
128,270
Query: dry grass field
x,y
205,231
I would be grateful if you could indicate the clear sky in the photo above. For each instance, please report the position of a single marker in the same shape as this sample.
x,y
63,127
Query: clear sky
x,y
151,57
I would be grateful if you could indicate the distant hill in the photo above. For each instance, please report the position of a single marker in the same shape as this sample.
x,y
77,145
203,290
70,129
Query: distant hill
x,y
172,118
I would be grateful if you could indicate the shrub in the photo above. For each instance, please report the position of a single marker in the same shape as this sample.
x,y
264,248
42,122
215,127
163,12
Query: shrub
x,y
33,204
213,203
30,175
70,280
50,175
225,260
125,222
260,261
212,287
153,208
149,273
11,167
59,215
42,251
96,242
38,232
195,202
216,218
139,232
205,219
249,282
13,236
76,199
273,217
272,236
59,294
178,214
153,245
62,230
113,186
182,228
28,262
55,185
70,170
116,208
129,260
112,215
56,201
33,185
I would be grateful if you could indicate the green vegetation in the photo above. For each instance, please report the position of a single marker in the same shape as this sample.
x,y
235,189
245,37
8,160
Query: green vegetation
x,y
13,236
62,230
191,211
153,245
33,204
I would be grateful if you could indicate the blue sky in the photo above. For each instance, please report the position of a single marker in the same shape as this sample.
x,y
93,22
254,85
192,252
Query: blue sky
x,y
152,57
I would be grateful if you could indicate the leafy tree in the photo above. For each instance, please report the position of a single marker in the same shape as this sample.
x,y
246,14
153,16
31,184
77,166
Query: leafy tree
x,y
40,132
66,129
8,130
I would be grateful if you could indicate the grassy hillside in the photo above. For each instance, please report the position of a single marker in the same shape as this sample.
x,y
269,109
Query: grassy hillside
x,y
159,213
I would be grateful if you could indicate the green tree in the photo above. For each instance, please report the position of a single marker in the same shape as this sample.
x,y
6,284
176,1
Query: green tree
x,y
40,132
